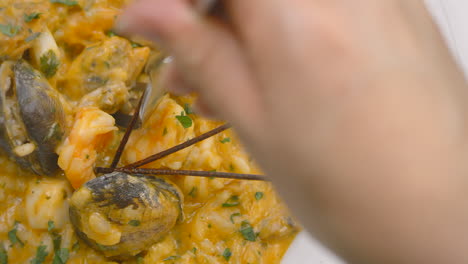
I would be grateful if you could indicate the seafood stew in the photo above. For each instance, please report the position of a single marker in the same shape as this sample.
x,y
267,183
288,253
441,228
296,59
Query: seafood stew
x,y
68,86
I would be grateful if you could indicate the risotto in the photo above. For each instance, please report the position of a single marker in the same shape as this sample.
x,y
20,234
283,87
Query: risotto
x,y
68,85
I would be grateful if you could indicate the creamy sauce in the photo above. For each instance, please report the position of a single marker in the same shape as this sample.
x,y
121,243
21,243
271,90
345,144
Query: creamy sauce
x,y
97,74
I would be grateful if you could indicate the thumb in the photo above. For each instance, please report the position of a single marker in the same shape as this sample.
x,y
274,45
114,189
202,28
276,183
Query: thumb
x,y
206,54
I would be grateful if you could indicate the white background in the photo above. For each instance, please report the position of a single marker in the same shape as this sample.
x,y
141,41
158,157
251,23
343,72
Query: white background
x,y
452,16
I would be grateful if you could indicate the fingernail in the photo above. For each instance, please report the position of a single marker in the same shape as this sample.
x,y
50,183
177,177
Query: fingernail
x,y
179,90
122,25
172,80
201,109
125,26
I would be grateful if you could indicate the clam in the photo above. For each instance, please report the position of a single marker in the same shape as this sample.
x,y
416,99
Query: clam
x,y
31,117
122,215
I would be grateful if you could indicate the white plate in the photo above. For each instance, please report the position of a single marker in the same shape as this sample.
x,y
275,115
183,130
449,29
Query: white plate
x,y
452,18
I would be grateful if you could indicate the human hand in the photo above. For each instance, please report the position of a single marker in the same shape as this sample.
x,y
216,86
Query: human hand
x,y
354,108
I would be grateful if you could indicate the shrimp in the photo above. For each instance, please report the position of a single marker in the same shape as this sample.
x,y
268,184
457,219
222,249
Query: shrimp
x,y
91,132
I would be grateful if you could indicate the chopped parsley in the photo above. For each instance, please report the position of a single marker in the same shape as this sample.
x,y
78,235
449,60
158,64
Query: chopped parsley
x,y
13,237
9,30
184,120
140,260
232,201
61,256
165,131
101,247
65,2
136,45
76,246
41,254
247,231
231,167
193,192
50,225
3,255
134,223
56,237
32,37
194,250
57,240
49,64
225,140
258,195
188,109
30,17
111,33
171,258
234,215
227,254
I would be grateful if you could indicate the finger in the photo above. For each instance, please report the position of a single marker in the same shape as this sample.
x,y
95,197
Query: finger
x,y
273,33
202,109
206,54
174,82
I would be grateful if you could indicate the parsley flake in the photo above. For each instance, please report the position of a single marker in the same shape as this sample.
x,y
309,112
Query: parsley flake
x,y
232,201
14,239
227,254
101,247
188,109
111,33
140,260
65,2
193,192
61,256
185,120
171,258
136,45
41,254
50,225
76,246
258,195
234,215
225,140
49,64
165,131
9,30
134,223
30,17
247,231
57,240
3,255
32,37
